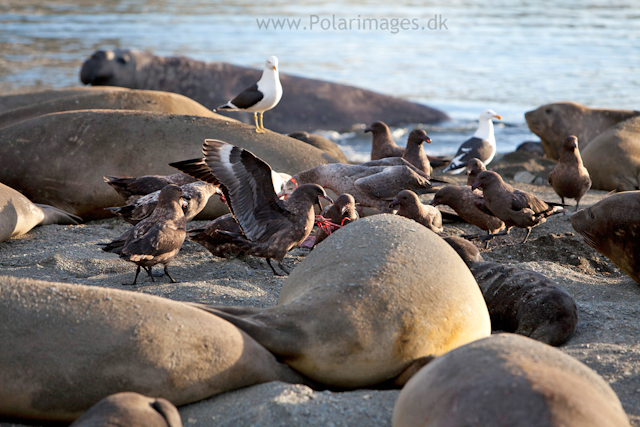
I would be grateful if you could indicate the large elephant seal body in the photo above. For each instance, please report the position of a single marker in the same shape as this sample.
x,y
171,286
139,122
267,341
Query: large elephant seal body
x,y
130,410
61,159
306,104
32,96
108,99
18,215
612,227
65,347
369,301
507,380
613,157
520,300
553,123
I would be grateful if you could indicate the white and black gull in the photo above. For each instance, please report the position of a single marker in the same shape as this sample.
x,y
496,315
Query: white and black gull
x,y
482,145
259,97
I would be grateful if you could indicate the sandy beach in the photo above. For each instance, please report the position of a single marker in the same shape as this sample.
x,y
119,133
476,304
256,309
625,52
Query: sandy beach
x,y
606,338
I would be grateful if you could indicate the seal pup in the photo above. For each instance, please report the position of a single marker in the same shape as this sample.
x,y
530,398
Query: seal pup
x,y
373,184
507,380
131,410
18,215
414,153
270,227
197,195
612,227
469,205
327,322
411,207
554,122
322,143
129,187
341,212
156,239
259,97
482,145
570,178
516,208
520,300
73,345
474,167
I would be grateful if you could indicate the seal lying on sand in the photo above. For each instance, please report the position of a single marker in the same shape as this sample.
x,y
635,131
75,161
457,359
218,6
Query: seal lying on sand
x,y
130,410
555,122
306,104
18,215
84,146
110,99
507,380
612,227
65,347
520,300
327,324
613,157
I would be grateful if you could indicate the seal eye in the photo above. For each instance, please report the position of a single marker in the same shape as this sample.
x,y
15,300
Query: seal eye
x,y
548,111
591,215
121,60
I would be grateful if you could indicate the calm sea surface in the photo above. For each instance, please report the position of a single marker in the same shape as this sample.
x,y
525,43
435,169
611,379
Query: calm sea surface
x,y
459,56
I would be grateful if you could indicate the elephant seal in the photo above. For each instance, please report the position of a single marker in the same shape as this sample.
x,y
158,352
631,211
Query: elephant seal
x,y
328,325
306,104
66,347
131,410
613,157
520,300
507,380
21,99
555,122
128,99
322,143
18,215
612,227
84,146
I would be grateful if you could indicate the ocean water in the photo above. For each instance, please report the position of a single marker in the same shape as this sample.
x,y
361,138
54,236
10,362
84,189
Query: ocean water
x,y
459,56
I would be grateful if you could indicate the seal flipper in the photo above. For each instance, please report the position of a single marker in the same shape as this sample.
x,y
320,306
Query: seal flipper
x,y
54,215
282,337
168,412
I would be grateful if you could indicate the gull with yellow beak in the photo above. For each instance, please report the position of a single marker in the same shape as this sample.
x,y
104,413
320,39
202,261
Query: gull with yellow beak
x,y
259,97
482,145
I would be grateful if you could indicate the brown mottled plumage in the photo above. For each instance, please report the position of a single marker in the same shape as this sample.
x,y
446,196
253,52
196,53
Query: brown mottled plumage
x,y
570,178
474,167
515,207
467,204
198,193
372,184
143,185
158,238
270,227
411,207
219,244
341,212
414,153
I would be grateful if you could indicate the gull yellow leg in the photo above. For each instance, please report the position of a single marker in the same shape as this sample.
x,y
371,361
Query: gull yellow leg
x,y
261,123
255,117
